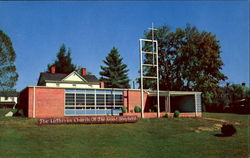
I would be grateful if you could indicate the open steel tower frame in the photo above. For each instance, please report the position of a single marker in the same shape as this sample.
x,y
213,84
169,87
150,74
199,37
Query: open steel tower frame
x,y
154,53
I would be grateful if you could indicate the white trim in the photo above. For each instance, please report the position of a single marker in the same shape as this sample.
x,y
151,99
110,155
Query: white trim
x,y
172,93
148,40
196,107
142,93
157,74
169,102
122,89
74,72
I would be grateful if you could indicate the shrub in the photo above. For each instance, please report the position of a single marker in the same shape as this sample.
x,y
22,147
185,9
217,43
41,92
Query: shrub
x,y
137,109
176,113
167,116
124,109
228,130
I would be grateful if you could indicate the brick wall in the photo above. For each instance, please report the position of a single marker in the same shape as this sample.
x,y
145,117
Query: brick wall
x,y
162,114
23,101
132,98
49,102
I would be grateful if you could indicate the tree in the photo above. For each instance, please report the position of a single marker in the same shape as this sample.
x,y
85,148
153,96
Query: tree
x,y
8,74
189,59
239,98
114,75
63,63
233,98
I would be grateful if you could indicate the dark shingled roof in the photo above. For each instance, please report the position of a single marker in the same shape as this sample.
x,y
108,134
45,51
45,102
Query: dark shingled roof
x,y
59,76
9,94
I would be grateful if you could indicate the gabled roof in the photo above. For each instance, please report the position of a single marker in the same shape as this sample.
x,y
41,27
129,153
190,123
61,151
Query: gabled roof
x,y
46,76
74,73
9,94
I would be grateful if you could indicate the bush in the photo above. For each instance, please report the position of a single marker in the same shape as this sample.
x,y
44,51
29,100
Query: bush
x,y
167,116
124,109
137,109
176,113
228,130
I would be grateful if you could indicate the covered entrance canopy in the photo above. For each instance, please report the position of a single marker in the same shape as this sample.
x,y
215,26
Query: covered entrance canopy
x,y
184,101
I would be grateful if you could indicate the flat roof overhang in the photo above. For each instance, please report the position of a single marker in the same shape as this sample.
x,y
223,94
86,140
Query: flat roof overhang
x,y
172,93
150,92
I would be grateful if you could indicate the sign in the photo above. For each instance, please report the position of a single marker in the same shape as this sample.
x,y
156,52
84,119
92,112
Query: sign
x,y
88,120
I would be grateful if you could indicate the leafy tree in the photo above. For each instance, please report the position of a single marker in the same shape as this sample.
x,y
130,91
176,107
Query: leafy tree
x,y
239,98
8,74
114,74
237,92
189,59
63,63
232,98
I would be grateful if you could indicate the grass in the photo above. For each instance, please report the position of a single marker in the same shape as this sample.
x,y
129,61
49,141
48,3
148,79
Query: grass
x,y
5,111
165,137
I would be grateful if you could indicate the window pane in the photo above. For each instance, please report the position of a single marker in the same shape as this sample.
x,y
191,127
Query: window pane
x,y
100,91
117,92
90,99
118,99
80,99
109,99
80,90
70,90
70,103
108,92
70,99
100,99
90,91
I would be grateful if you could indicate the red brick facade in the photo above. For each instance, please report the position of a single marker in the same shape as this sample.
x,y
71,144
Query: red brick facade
x,y
42,102
132,98
163,114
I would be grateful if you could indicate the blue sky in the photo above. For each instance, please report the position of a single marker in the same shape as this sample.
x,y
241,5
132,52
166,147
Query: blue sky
x,y
91,29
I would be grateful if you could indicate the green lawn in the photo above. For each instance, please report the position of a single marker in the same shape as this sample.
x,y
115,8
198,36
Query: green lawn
x,y
152,138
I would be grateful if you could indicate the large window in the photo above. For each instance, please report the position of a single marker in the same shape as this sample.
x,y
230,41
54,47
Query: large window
x,y
70,101
93,102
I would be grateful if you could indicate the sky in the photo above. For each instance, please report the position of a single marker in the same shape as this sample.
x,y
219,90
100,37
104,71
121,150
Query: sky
x,y
91,28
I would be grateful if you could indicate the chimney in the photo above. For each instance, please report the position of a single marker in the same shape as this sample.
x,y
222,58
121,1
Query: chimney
x,y
84,72
102,84
52,69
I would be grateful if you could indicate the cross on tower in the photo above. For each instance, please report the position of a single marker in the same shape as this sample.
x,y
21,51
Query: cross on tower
x,y
152,29
153,46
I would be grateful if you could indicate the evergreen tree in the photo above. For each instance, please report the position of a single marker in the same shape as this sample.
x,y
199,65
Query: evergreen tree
x,y
114,75
63,63
8,74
